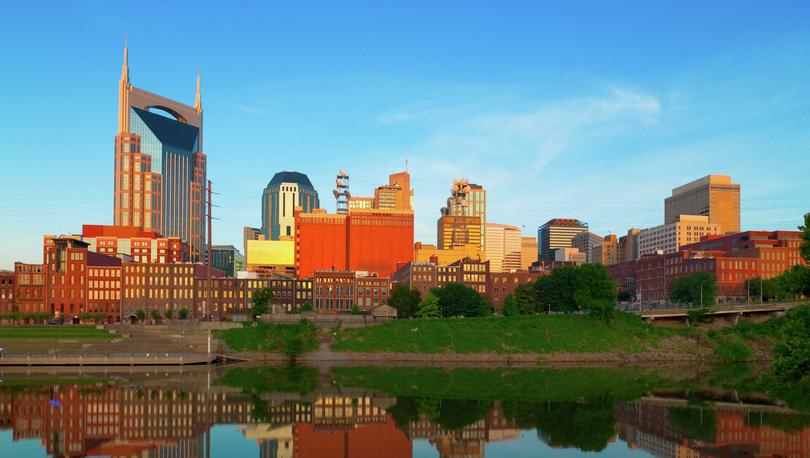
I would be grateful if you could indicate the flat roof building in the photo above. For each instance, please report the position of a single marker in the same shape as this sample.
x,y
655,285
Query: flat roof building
x,y
713,196
557,233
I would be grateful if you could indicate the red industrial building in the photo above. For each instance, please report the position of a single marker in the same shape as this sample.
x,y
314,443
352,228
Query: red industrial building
x,y
6,291
371,240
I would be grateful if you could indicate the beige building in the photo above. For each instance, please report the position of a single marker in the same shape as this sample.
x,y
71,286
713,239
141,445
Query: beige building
x,y
528,252
430,253
668,238
503,247
360,202
713,196
568,254
628,246
608,252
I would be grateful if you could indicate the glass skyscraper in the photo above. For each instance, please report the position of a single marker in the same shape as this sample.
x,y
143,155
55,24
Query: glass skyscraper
x,y
160,169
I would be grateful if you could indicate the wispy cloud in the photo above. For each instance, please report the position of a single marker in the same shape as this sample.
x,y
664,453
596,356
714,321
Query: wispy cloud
x,y
247,109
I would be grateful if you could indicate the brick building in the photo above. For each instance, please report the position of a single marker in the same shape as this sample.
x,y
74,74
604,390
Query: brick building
x,y
29,287
165,286
236,294
6,291
502,284
339,291
732,259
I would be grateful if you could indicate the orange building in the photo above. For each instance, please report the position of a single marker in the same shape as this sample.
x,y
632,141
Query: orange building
x,y
370,240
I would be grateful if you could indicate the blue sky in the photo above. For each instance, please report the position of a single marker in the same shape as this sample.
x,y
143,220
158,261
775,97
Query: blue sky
x,y
592,110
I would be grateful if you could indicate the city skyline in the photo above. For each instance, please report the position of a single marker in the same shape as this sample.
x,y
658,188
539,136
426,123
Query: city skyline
x,y
643,130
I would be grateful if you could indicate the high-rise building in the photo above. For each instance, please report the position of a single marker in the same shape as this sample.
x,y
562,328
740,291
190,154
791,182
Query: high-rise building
x,y
586,242
557,233
227,258
468,200
160,168
396,195
503,247
458,231
713,196
528,252
669,238
285,192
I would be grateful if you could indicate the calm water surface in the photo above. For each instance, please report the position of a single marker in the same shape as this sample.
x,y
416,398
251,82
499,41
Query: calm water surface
x,y
397,412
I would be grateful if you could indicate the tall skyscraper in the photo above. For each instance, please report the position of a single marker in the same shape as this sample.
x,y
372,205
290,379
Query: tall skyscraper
x,y
286,191
557,233
467,200
160,168
714,196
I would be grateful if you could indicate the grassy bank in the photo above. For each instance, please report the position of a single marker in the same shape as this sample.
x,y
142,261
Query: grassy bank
x,y
516,334
52,332
265,337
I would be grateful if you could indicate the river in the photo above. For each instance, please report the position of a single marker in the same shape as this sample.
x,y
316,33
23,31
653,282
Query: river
x,y
304,412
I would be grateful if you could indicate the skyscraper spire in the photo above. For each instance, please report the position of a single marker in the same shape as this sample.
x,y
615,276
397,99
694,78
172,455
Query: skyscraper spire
x,y
125,66
197,100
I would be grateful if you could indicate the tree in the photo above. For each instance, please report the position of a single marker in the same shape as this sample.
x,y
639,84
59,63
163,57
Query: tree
x,y
140,314
595,290
169,313
405,300
805,246
697,289
526,299
261,300
155,314
428,307
182,313
293,347
510,306
792,361
456,299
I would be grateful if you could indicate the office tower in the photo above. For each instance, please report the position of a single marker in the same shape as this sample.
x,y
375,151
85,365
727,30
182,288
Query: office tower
x,y
396,195
714,196
458,231
285,192
467,200
503,250
528,252
227,258
557,233
586,242
669,238
160,168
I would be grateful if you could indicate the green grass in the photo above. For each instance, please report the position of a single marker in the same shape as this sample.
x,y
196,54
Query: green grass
x,y
265,337
731,348
516,334
52,332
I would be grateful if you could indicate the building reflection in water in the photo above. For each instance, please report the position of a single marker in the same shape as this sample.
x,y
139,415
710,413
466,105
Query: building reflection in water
x,y
157,422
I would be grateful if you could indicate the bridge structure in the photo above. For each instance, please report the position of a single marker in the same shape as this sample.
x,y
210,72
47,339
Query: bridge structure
x,y
735,312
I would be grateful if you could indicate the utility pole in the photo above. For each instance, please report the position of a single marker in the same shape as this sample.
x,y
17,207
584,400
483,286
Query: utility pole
x,y
209,257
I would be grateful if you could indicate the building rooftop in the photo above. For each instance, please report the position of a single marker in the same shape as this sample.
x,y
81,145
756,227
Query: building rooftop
x,y
169,131
290,177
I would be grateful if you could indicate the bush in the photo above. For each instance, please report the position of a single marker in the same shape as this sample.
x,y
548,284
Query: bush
x,y
731,348
169,313
155,314
140,314
429,307
182,313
